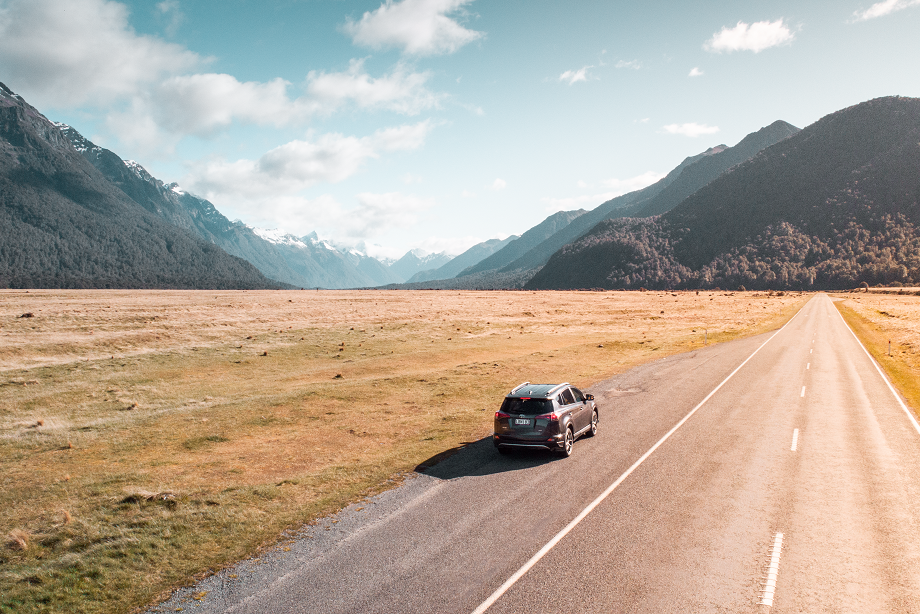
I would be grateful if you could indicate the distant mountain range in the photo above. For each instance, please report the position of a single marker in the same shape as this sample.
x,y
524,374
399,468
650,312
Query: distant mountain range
x,y
55,202
516,264
467,259
833,206
299,261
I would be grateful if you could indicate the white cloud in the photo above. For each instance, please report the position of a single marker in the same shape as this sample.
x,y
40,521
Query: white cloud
x,y
409,179
467,194
581,184
377,213
498,184
633,64
86,54
170,12
691,129
418,27
402,90
750,37
200,104
402,138
696,72
574,76
624,186
84,51
300,164
880,9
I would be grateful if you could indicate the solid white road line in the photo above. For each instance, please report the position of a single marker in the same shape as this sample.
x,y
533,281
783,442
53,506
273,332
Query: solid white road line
x,y
485,605
894,392
803,392
795,439
772,572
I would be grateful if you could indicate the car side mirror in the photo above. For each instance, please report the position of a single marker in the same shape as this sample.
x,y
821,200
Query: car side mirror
x,y
589,397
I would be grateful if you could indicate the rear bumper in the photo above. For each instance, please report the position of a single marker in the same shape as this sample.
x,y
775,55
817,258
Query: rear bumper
x,y
549,443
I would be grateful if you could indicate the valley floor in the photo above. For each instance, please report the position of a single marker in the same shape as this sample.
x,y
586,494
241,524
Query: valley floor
x,y
148,437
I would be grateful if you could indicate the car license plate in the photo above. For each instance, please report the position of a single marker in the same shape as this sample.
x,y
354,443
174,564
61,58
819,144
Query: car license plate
x,y
521,422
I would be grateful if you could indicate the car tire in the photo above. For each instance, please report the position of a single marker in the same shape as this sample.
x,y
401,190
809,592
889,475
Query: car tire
x,y
593,430
568,443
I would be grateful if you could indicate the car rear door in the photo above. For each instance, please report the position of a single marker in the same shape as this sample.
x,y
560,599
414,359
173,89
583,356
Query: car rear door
x,y
567,402
581,409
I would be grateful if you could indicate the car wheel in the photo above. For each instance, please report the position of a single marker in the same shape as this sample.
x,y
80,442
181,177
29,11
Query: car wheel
x,y
593,430
568,442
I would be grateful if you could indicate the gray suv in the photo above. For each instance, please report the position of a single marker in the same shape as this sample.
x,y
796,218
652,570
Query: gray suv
x,y
544,416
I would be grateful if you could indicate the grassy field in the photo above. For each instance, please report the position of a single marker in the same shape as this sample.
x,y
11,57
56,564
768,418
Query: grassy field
x,y
879,317
149,437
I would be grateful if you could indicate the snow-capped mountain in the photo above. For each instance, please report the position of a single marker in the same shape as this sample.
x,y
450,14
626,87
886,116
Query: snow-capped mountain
x,y
308,261
417,260
298,261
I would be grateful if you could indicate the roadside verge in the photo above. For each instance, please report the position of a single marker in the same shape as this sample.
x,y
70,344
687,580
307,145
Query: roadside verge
x,y
889,346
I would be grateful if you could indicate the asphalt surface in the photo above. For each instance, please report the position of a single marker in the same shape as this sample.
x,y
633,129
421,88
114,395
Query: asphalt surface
x,y
723,516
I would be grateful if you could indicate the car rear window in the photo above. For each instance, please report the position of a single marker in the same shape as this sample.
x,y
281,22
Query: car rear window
x,y
527,407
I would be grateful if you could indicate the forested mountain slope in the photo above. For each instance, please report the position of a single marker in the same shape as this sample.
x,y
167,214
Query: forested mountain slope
x,y
833,206
64,225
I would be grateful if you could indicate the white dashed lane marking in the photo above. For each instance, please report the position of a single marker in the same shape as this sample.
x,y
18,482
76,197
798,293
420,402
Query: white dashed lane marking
x,y
795,440
769,588
803,392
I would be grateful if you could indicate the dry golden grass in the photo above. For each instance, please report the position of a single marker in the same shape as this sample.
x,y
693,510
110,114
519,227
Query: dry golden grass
x,y
882,316
148,437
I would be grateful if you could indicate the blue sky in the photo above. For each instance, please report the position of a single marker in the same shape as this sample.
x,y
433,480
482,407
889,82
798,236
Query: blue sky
x,y
439,123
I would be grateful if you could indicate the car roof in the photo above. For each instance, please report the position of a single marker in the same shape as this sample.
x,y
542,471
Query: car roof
x,y
540,391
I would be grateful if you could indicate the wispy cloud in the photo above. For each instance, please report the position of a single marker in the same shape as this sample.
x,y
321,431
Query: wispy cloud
x,y
299,164
633,64
418,27
377,213
86,53
402,90
750,37
696,72
880,9
171,14
574,76
498,184
152,93
161,114
692,129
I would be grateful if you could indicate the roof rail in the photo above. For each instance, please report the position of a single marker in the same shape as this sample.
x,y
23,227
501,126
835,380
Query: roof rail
x,y
557,387
518,387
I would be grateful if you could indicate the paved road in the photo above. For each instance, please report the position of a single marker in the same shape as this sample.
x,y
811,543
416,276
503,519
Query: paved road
x,y
723,516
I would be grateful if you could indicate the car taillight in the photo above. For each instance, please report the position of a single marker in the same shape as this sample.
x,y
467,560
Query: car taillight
x,y
551,417
501,414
